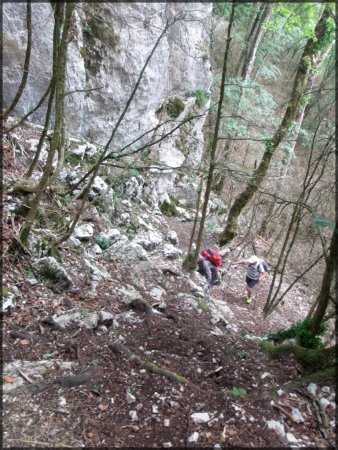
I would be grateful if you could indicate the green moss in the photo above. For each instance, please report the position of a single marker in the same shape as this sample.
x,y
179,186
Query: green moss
x,y
169,209
174,107
189,261
312,360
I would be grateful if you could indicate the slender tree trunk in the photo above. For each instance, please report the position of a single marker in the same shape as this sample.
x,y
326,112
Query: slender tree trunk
x,y
26,63
303,72
63,13
324,294
251,57
249,60
216,132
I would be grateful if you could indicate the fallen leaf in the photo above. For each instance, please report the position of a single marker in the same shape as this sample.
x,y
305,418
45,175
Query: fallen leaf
x,y
24,342
90,434
9,379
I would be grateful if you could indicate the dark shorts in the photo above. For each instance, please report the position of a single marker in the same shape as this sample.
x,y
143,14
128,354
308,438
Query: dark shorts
x,y
250,282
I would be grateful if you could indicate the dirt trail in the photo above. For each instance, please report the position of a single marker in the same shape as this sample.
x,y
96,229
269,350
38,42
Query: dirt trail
x,y
126,404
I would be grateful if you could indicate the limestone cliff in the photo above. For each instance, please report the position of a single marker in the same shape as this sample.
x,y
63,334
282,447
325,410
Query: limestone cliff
x,y
109,44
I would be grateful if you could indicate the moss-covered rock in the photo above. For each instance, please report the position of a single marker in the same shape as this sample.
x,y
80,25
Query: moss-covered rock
x,y
174,107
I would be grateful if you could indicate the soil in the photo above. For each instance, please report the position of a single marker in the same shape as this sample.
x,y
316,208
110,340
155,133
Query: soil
x,y
218,369
178,340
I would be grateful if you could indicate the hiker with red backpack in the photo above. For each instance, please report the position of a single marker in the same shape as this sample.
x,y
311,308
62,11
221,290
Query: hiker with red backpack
x,y
209,261
257,268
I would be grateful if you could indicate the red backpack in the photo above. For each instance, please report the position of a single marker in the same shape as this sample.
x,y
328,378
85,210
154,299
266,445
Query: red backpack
x,y
213,256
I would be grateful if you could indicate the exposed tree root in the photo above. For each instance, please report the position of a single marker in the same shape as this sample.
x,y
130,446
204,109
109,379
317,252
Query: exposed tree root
x,y
117,347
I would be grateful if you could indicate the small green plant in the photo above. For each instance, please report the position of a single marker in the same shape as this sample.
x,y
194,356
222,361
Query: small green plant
x,y
204,306
201,97
87,29
103,243
239,392
301,331
174,107
169,209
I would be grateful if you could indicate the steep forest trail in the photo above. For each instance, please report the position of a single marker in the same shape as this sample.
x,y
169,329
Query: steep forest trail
x,y
172,375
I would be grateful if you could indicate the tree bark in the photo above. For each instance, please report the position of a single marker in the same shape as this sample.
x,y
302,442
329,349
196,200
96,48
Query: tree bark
x,y
303,72
324,294
215,138
63,14
26,63
249,60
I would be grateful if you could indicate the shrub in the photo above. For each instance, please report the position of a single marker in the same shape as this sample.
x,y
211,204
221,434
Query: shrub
x,y
103,243
201,97
301,331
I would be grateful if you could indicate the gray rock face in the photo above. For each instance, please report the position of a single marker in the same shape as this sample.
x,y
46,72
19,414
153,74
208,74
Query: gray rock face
x,y
50,270
109,45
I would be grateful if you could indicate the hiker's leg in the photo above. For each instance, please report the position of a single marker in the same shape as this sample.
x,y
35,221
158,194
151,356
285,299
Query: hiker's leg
x,y
250,284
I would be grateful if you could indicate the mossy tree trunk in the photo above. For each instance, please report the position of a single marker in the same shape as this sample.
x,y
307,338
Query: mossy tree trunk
x,y
62,14
304,70
325,289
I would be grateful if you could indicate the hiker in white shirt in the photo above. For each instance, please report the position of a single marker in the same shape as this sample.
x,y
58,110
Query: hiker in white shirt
x,y
255,273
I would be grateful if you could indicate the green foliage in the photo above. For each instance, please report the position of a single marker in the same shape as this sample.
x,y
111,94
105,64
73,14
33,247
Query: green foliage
x,y
4,292
189,261
87,29
202,305
239,392
103,243
301,331
174,107
169,209
202,97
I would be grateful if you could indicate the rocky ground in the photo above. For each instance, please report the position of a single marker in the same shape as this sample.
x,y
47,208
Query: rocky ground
x,y
172,366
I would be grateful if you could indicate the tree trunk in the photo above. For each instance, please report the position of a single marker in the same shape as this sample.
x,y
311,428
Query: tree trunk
x,y
59,73
215,137
249,60
324,294
296,102
26,63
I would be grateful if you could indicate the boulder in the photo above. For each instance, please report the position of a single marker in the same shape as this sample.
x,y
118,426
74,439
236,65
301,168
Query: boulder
x,y
84,232
52,271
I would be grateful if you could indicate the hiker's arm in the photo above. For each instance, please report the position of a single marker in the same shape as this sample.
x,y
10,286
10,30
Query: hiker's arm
x,y
240,261
262,274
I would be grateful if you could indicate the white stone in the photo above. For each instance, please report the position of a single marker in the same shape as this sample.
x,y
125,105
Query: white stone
x,y
278,427
324,402
326,389
167,445
291,438
193,438
280,392
133,415
156,293
130,398
84,232
200,417
172,237
297,416
265,374
154,409
171,252
166,422
62,401
312,388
